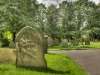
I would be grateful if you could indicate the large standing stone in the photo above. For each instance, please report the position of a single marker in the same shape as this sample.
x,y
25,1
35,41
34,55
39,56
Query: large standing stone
x,y
12,44
50,42
56,42
87,41
64,43
30,49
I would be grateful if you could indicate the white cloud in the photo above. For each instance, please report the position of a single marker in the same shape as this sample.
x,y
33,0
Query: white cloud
x,y
96,1
56,2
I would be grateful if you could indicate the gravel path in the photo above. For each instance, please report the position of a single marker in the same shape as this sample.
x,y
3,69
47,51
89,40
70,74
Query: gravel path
x,y
89,60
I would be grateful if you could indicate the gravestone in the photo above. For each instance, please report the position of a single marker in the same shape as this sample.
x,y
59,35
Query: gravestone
x,y
56,42
7,55
12,44
87,41
50,42
96,40
81,41
72,41
75,42
0,44
30,49
64,43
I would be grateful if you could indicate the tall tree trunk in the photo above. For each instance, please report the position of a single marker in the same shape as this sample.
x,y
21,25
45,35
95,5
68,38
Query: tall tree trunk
x,y
14,36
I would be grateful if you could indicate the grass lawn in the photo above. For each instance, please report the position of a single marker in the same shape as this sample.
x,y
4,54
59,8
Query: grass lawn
x,y
58,64
93,45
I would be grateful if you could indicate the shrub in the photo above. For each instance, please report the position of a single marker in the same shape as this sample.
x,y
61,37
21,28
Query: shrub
x,y
4,41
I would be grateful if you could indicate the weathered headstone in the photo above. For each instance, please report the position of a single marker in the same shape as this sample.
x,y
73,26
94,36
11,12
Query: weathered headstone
x,y
7,55
12,44
64,43
81,41
75,42
87,41
96,40
56,42
50,42
0,44
30,49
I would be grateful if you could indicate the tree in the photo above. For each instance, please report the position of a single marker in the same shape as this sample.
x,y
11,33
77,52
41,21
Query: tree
x,y
41,19
18,14
52,21
66,12
92,21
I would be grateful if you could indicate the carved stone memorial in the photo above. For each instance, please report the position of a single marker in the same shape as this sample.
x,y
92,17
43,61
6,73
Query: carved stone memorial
x,y
76,42
81,41
12,44
87,41
50,42
30,49
56,42
64,43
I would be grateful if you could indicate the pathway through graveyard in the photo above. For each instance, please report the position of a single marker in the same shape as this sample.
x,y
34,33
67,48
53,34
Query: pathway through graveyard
x,y
89,60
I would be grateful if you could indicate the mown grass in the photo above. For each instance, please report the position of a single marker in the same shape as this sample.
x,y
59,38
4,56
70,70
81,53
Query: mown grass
x,y
93,45
58,64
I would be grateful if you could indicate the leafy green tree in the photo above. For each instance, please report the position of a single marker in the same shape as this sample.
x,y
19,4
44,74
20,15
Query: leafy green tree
x,y
18,14
93,20
41,19
52,21
66,12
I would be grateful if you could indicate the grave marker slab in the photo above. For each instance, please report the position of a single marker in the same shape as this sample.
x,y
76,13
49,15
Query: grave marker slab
x,y
87,41
56,42
75,42
12,44
64,43
50,42
30,49
81,41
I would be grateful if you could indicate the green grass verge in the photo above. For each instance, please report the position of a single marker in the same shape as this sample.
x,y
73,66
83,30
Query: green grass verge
x,y
58,64
93,45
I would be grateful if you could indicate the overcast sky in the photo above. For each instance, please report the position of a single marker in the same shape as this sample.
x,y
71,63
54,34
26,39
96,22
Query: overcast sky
x,y
56,2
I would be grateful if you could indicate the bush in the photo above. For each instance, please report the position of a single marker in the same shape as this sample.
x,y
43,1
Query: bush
x,y
4,41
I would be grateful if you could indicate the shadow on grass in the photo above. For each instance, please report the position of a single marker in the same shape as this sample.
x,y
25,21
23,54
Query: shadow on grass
x,y
49,70
44,70
78,48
